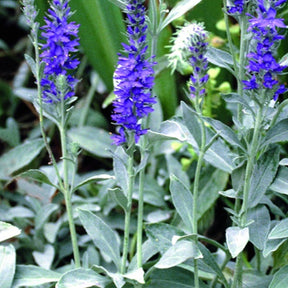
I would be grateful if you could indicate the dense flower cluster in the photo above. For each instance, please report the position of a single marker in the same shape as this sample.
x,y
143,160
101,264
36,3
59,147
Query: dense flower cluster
x,y
198,48
61,40
133,77
29,11
263,67
236,7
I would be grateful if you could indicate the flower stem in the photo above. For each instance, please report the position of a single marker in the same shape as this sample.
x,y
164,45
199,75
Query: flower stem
x,y
243,212
66,190
196,185
131,176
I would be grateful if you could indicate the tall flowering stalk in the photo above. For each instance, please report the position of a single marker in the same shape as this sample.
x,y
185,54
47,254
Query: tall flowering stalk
x,y
55,84
262,86
133,84
134,78
192,39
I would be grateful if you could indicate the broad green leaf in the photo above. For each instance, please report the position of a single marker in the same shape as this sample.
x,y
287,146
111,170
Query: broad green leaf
x,y
235,98
82,278
179,253
29,275
171,278
95,178
8,231
44,259
106,33
252,279
94,140
102,235
161,235
225,132
31,63
209,259
280,184
211,182
180,9
220,58
44,214
117,278
280,278
136,275
263,175
118,196
191,121
7,265
19,157
37,175
280,230
277,133
175,168
120,161
236,239
11,133
259,229
183,201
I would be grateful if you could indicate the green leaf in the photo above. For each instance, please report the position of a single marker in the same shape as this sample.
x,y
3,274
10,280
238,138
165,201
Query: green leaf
x,y
211,182
180,9
179,253
280,278
252,279
220,58
117,278
236,239
191,121
11,133
259,229
31,63
7,265
280,230
161,235
37,175
44,258
277,133
44,214
102,235
175,168
106,33
183,201
280,184
19,157
171,278
82,278
225,132
29,275
263,175
100,177
235,98
94,140
8,231
209,259
119,197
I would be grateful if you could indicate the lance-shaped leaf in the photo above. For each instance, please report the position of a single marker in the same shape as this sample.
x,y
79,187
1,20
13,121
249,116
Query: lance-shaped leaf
x,y
8,231
183,201
102,235
7,265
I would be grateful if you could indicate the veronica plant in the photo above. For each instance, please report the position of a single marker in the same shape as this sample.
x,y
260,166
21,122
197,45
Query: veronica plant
x,y
260,90
134,80
56,86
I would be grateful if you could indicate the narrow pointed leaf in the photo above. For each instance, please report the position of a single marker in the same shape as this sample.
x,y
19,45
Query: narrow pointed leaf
x,y
102,235
8,231
7,265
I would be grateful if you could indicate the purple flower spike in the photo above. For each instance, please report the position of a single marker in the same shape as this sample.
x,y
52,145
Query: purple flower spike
x,y
237,7
263,67
198,48
133,78
61,40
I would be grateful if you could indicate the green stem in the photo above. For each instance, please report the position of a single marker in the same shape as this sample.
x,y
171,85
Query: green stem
x,y
154,39
196,185
40,101
225,262
66,190
243,212
128,211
